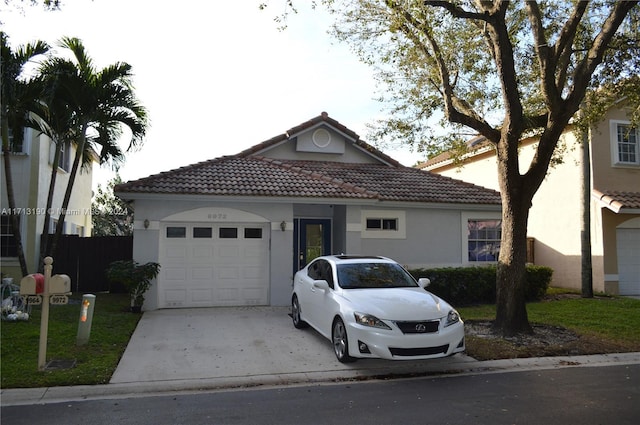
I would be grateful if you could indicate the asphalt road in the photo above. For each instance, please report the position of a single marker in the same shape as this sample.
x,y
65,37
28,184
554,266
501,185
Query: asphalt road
x,y
579,395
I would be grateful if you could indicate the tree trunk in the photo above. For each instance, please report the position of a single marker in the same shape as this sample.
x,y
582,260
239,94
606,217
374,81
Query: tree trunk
x,y
511,311
516,194
8,178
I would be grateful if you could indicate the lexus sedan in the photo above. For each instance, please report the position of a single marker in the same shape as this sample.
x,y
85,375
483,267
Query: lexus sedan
x,y
371,307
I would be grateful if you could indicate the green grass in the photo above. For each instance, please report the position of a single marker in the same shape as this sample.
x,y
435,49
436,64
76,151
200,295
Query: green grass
x,y
96,361
613,321
603,324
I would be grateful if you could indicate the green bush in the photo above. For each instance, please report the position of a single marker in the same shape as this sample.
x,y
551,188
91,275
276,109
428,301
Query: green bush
x,y
477,285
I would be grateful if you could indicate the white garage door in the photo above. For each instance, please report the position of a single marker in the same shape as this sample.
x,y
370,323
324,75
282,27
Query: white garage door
x,y
209,265
629,261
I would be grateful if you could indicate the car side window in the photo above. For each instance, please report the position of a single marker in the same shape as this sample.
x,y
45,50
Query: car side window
x,y
326,273
314,271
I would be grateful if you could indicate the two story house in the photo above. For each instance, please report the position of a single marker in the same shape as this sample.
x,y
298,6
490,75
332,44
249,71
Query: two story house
x,y
31,166
555,216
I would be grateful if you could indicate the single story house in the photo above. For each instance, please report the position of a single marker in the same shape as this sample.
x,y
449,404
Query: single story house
x,y
232,231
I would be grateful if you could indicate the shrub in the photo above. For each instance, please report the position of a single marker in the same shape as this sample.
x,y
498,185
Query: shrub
x,y
477,285
135,277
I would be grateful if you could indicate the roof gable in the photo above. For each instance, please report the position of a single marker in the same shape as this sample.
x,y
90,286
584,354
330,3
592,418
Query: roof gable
x,y
321,138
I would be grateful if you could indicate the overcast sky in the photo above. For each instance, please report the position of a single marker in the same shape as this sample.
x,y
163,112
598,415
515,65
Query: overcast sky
x,y
216,76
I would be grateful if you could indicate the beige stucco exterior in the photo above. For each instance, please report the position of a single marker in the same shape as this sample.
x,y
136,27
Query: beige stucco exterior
x,y
31,171
555,215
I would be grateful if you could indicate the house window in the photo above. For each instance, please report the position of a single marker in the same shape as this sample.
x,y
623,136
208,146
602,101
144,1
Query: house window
x,y
8,244
383,224
625,144
64,160
15,146
483,238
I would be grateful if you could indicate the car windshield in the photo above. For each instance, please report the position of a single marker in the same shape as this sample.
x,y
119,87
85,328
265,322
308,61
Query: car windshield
x,y
373,275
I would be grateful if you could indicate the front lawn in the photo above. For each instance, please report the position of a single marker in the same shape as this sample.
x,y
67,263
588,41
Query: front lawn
x,y
604,324
96,361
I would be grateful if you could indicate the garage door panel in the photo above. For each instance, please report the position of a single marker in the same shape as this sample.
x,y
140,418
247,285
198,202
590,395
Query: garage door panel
x,y
252,273
176,253
201,296
628,250
175,297
229,252
228,273
202,253
202,267
253,296
175,273
202,273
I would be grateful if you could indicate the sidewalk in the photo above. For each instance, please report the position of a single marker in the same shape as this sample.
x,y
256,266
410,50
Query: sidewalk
x,y
195,350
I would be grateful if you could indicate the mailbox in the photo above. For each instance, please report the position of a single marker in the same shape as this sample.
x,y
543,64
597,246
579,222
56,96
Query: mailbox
x,y
32,284
59,284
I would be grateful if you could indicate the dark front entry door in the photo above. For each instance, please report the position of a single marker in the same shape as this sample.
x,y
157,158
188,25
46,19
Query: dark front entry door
x,y
312,238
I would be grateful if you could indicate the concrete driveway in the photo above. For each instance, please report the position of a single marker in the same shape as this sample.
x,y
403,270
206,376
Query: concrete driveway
x,y
248,345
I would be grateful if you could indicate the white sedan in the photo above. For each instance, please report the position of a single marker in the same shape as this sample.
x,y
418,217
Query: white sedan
x,y
371,307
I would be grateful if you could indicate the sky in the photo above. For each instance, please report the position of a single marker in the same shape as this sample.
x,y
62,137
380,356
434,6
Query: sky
x,y
216,77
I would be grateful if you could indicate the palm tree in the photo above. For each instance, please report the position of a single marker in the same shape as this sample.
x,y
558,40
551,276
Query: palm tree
x,y
20,109
100,103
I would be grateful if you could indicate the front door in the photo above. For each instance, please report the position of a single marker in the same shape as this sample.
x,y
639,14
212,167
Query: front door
x,y
312,238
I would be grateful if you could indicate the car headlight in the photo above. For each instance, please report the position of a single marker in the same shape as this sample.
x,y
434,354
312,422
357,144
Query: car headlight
x,y
452,318
369,320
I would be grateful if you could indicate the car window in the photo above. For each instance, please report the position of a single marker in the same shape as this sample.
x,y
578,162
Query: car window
x,y
326,273
314,270
321,270
373,275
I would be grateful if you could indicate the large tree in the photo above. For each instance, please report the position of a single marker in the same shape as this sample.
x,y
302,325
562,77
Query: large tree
x,y
21,108
96,104
505,70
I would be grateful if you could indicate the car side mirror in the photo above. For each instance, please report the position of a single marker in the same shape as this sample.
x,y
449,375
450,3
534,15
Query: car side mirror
x,y
424,282
321,284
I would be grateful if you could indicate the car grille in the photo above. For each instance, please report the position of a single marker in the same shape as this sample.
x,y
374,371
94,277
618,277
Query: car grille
x,y
422,351
424,327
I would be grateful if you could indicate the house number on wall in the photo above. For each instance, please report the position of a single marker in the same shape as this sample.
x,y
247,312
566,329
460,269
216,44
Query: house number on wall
x,y
217,216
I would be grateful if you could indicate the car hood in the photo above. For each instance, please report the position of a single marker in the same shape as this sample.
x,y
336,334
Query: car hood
x,y
397,303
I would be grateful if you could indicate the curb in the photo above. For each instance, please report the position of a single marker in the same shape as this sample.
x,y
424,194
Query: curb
x,y
462,365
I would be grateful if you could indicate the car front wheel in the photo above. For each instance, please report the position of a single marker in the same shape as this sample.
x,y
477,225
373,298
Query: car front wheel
x,y
340,342
295,314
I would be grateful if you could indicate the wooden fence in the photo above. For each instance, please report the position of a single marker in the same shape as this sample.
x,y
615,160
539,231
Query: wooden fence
x,y
85,260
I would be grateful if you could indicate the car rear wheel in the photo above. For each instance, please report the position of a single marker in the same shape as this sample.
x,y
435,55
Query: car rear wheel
x,y
340,341
295,314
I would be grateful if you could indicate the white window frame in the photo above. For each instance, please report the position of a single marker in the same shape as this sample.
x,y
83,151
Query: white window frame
x,y
398,215
464,226
615,154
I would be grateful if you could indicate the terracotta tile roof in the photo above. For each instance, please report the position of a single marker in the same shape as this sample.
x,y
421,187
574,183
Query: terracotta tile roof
x,y
250,174
260,176
616,201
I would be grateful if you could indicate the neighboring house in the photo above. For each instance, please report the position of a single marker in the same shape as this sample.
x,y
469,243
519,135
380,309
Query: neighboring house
x,y
31,170
232,231
555,216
